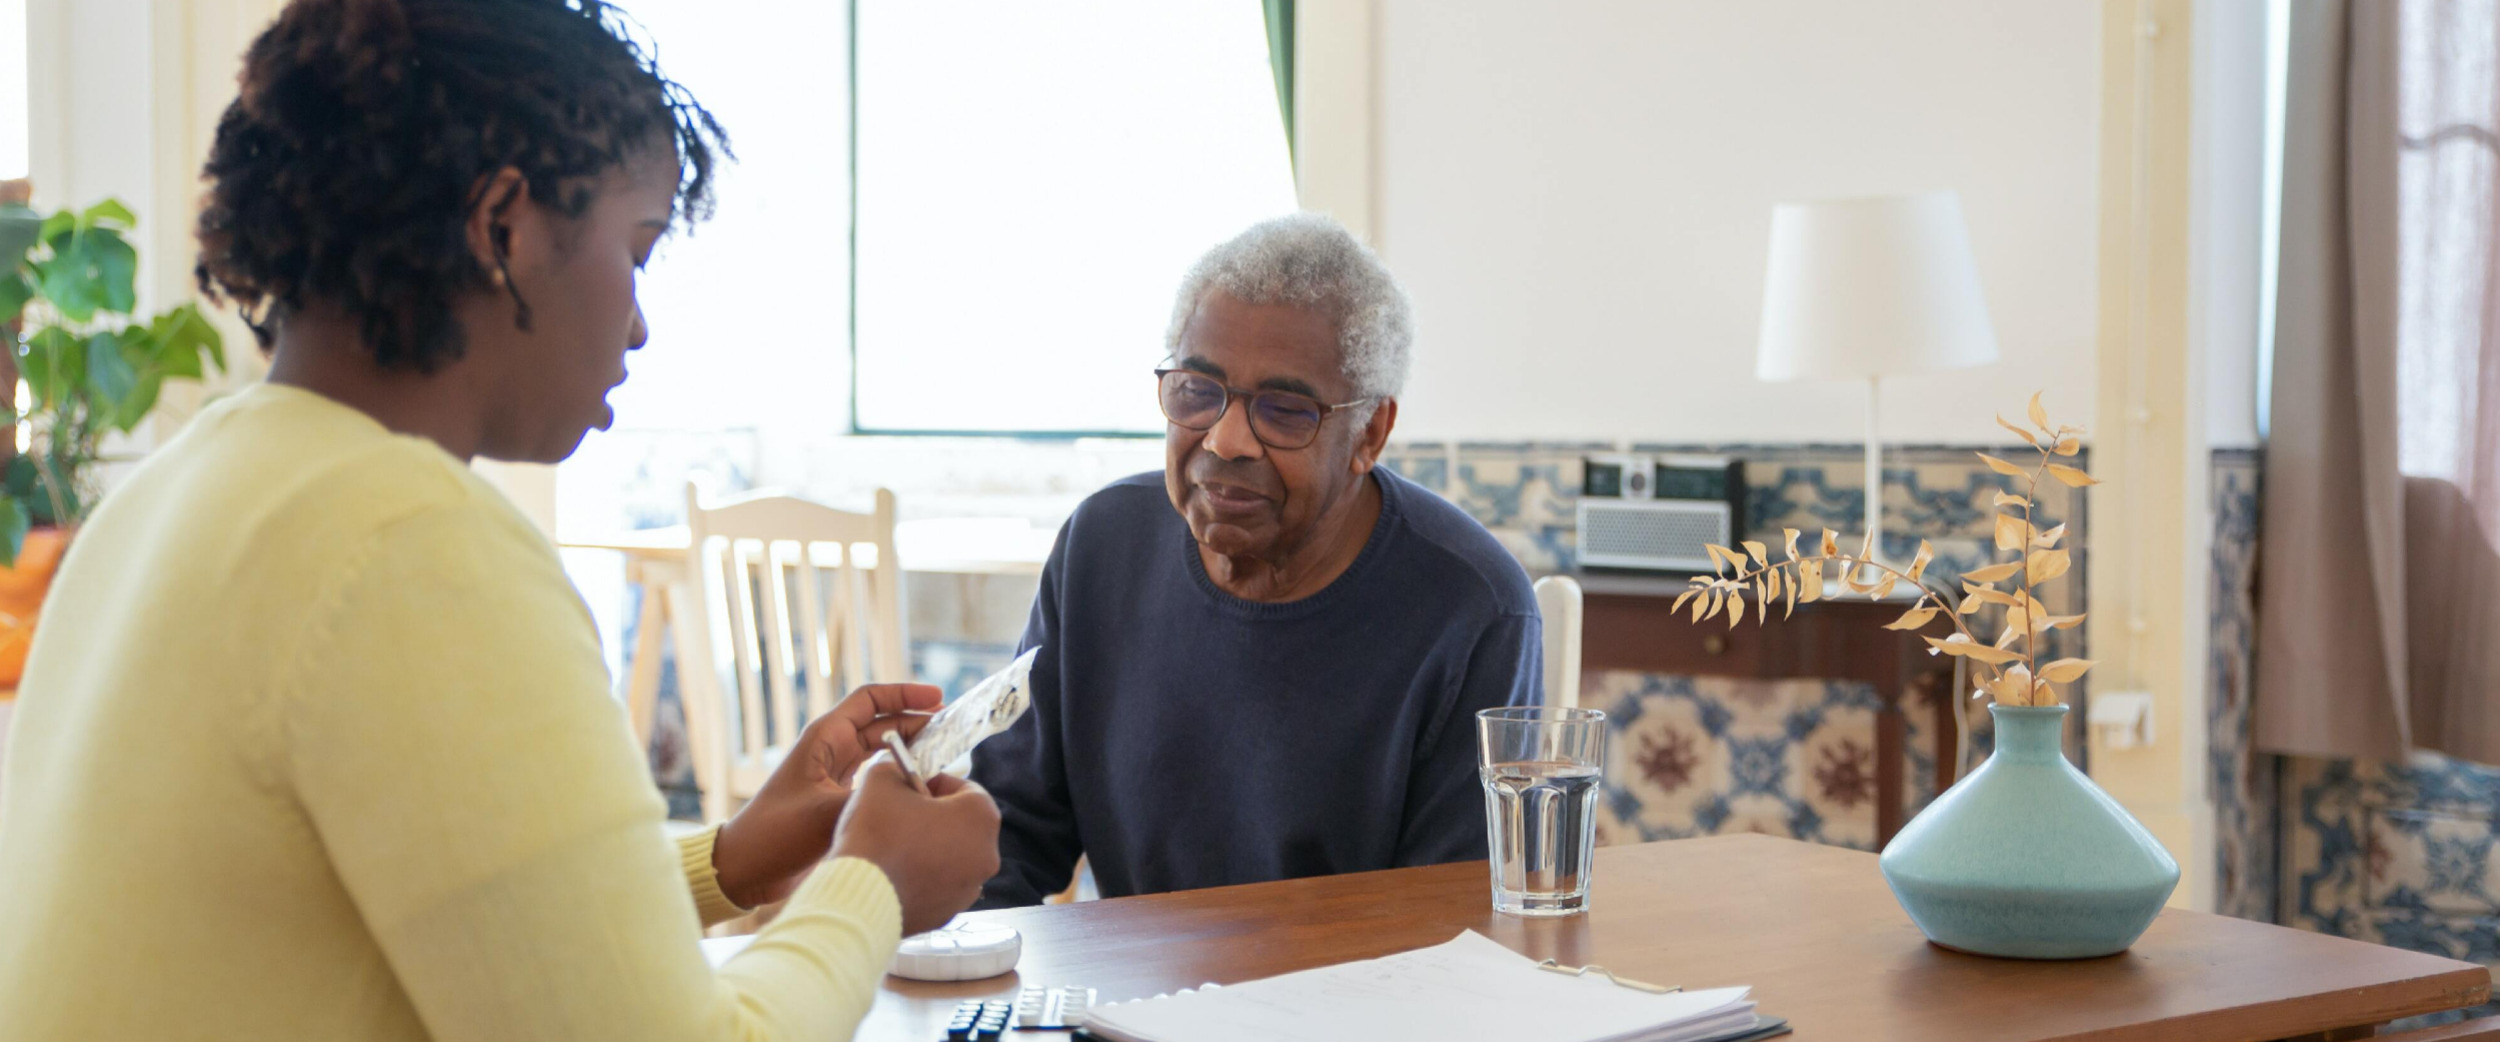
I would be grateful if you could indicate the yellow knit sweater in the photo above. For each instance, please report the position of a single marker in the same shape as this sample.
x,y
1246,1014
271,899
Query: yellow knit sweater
x,y
316,743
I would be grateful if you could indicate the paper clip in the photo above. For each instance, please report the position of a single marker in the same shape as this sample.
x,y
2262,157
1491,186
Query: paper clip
x,y
1551,966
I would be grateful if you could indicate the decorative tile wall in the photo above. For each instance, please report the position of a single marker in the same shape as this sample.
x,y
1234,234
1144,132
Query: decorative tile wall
x,y
2243,781
2397,854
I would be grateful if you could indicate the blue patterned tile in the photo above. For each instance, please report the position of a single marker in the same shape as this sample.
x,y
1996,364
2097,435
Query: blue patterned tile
x,y
1696,756
2241,780
2395,853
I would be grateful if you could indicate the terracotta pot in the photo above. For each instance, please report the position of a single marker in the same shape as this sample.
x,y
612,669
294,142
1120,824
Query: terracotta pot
x,y
22,588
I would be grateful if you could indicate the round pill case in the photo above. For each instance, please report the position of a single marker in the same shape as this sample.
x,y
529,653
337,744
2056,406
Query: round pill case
x,y
960,950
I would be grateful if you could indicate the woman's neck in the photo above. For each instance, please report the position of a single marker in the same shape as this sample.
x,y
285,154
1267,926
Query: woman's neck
x,y
322,351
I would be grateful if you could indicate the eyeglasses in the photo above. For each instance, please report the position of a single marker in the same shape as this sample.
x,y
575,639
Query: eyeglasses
x,y
1279,419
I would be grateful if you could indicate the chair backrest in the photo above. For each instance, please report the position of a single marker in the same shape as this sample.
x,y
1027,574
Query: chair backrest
x,y
1558,600
801,604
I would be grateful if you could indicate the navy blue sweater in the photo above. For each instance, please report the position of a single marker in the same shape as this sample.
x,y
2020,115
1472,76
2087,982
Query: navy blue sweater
x,y
1182,737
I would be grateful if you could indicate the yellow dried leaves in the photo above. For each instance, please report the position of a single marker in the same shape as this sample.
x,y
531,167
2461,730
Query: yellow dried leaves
x,y
2009,666
1915,618
2072,477
1995,573
2013,533
1961,646
2002,467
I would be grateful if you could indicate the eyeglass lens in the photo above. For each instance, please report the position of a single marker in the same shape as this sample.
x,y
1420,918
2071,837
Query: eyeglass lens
x,y
1281,419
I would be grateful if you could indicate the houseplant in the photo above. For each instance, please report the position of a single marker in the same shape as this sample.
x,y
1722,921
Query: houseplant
x,y
82,366
2025,857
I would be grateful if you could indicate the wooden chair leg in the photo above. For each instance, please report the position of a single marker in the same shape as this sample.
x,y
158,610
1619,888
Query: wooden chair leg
x,y
642,678
699,692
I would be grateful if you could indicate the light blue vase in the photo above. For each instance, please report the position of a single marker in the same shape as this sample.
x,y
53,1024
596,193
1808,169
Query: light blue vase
x,y
2026,858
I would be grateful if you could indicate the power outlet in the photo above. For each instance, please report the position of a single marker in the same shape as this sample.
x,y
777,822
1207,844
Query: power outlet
x,y
2121,719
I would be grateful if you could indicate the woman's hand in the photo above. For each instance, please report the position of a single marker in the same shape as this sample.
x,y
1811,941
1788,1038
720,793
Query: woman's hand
x,y
763,852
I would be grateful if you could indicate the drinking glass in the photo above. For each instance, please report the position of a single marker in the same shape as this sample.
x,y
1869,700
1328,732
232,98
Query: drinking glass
x,y
1541,767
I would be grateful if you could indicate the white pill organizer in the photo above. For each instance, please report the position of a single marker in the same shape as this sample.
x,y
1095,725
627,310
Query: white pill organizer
x,y
965,949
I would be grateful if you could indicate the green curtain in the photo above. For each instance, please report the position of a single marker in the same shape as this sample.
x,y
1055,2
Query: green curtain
x,y
1280,61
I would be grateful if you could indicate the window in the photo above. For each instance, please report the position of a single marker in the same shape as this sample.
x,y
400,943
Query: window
x,y
1034,179
2447,192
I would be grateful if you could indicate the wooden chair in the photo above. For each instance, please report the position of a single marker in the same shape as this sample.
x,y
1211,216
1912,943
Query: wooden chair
x,y
800,604
1558,600
2480,1029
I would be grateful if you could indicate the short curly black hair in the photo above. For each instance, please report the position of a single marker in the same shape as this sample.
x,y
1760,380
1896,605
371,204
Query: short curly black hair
x,y
345,169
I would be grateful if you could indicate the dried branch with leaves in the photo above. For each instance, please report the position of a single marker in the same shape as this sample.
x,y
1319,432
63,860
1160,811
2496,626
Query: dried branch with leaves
x,y
2009,667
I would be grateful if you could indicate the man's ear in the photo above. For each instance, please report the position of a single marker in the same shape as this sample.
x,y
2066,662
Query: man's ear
x,y
488,228
1375,435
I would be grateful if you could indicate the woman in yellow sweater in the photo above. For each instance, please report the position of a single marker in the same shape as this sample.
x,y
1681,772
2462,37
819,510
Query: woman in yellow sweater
x,y
315,740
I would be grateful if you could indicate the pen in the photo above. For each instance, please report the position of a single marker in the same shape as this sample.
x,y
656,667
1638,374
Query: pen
x,y
902,758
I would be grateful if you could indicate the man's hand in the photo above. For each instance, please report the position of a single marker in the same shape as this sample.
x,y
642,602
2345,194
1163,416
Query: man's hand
x,y
763,852
937,849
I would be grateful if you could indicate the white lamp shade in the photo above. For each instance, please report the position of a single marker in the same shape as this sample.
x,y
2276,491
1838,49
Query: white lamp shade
x,y
1865,288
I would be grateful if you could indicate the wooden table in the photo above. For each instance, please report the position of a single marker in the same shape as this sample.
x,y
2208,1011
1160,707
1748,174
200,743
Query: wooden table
x,y
1627,624
1812,929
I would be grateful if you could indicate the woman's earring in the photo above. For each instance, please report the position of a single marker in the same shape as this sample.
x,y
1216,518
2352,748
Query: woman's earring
x,y
499,277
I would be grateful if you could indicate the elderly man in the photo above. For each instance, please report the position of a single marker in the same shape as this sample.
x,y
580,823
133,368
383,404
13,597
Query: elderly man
x,y
1264,662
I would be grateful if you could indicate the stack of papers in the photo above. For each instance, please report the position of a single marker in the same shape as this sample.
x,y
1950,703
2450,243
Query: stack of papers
x,y
1470,987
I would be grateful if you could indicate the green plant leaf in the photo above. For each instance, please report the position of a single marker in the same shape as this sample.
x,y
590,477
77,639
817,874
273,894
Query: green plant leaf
x,y
23,482
110,212
142,400
90,271
110,376
13,524
15,291
117,267
54,365
183,337
56,225
64,281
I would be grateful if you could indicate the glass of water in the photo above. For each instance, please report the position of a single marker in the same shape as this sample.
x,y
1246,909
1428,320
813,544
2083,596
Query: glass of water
x,y
1541,767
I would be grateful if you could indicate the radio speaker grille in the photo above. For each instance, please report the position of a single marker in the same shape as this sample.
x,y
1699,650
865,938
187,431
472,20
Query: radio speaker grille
x,y
1664,534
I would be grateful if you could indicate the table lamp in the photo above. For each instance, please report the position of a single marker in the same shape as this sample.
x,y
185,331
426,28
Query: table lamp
x,y
1862,289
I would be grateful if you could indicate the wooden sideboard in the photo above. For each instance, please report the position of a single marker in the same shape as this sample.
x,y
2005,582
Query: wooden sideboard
x,y
1627,625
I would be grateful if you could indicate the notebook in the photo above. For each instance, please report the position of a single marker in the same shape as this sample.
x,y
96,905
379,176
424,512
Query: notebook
x,y
1470,987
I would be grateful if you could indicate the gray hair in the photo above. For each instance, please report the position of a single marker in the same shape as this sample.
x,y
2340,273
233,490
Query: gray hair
x,y
1310,261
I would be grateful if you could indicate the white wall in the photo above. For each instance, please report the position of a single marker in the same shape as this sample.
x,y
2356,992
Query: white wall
x,y
1578,195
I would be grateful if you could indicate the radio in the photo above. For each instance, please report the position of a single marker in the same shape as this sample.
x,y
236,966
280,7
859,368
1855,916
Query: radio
x,y
1658,512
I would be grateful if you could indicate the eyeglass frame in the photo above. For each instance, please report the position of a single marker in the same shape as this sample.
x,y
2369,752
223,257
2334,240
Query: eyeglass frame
x,y
1231,393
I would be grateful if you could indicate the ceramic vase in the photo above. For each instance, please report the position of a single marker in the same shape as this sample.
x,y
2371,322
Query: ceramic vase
x,y
2026,858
